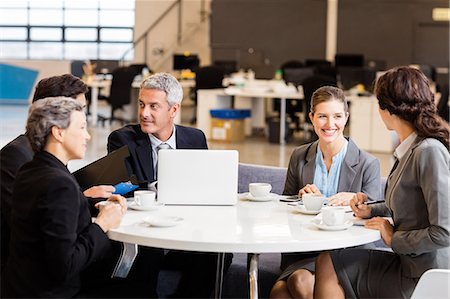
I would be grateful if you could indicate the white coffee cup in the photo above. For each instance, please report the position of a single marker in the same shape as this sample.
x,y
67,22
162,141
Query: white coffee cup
x,y
313,202
333,216
144,198
259,189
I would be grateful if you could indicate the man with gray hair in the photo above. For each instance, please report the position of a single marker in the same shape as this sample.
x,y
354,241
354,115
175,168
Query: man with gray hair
x,y
160,97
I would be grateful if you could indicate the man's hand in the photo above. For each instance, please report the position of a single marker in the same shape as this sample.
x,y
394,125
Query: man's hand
x,y
101,191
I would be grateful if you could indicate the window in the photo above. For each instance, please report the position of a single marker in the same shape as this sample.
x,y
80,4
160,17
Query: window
x,y
66,29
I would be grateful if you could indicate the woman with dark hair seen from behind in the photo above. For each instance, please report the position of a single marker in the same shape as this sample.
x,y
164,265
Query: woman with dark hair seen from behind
x,y
416,199
53,238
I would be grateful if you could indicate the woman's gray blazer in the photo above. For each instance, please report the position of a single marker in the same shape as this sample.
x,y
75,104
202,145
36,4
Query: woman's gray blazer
x,y
360,171
417,196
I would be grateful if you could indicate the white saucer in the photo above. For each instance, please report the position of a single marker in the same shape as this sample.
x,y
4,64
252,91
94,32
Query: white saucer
x,y
303,210
162,221
249,196
134,206
319,224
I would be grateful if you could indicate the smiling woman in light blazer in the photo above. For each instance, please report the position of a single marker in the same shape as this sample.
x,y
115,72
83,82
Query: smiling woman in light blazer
x,y
333,166
417,196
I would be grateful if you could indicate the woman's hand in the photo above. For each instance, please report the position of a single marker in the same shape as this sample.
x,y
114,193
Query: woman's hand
x,y
341,198
358,206
119,199
110,215
384,226
102,191
309,188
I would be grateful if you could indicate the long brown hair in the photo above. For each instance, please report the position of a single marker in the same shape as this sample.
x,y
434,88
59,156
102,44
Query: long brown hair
x,y
405,92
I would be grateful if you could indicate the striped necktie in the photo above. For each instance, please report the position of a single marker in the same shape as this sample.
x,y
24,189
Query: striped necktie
x,y
161,146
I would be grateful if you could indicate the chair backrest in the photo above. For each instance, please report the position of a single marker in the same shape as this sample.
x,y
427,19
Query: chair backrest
x,y
121,86
292,64
433,284
209,77
227,66
316,62
138,67
253,173
76,68
296,76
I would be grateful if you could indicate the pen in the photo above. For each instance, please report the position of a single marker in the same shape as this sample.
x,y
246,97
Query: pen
x,y
370,202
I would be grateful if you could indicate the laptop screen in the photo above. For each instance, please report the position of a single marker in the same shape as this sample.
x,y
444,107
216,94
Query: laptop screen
x,y
198,177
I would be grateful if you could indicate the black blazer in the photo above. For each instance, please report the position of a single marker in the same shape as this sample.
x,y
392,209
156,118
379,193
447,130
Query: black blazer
x,y
52,236
12,157
140,162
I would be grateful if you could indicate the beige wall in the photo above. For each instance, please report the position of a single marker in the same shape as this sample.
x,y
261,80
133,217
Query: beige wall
x,y
164,37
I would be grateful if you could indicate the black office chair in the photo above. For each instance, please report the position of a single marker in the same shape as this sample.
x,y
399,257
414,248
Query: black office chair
x,y
122,78
228,66
295,73
291,64
310,85
316,62
288,68
206,77
138,67
76,68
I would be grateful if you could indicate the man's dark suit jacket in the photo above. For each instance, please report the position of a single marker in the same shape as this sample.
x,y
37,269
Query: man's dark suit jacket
x,y
12,156
140,162
53,238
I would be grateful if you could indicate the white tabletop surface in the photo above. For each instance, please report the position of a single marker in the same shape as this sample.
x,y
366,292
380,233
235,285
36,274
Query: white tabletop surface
x,y
255,227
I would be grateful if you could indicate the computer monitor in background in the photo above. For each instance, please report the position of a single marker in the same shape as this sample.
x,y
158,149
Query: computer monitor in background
x,y
105,66
185,62
349,60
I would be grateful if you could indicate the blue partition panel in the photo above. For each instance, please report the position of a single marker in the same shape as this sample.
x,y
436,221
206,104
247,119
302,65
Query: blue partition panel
x,y
16,84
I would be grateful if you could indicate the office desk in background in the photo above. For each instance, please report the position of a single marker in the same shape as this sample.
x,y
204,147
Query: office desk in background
x,y
253,99
96,84
248,227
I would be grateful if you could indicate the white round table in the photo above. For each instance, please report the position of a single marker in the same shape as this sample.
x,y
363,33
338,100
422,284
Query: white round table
x,y
248,227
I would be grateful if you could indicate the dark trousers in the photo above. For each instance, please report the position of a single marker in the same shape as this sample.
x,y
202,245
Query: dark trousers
x,y
140,283
198,272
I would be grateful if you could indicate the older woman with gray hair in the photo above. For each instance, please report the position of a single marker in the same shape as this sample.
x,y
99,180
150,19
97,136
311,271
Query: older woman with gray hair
x,y
53,238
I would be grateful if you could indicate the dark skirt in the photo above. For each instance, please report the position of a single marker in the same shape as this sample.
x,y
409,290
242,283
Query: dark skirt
x,y
371,274
306,262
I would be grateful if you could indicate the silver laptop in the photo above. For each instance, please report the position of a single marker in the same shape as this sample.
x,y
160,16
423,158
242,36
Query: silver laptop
x,y
198,177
